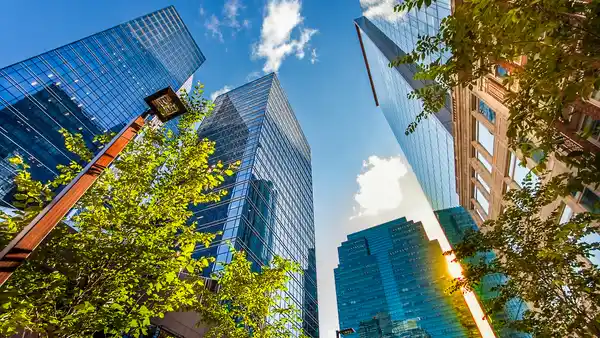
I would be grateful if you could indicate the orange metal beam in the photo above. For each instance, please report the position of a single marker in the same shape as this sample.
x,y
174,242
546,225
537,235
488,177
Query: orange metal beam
x,y
364,54
19,249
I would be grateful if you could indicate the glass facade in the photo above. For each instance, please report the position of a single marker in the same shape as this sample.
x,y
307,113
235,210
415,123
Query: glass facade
x,y
269,207
456,222
430,148
390,283
404,30
90,86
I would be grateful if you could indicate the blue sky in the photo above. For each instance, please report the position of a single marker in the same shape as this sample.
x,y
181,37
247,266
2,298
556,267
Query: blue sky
x,y
329,92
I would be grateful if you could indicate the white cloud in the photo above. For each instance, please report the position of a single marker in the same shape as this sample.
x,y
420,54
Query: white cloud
x,y
313,56
379,185
276,41
252,76
383,9
213,25
223,90
231,10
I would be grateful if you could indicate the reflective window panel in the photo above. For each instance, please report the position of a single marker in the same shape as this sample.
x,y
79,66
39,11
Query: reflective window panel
x,y
268,210
91,86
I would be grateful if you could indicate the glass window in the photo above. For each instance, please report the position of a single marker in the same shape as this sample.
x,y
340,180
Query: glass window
x,y
518,172
501,71
483,217
591,128
590,200
483,183
566,215
486,111
485,138
480,198
484,161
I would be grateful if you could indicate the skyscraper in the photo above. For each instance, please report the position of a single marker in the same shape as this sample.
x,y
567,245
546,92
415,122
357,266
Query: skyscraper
x,y
456,222
269,207
390,282
429,149
89,86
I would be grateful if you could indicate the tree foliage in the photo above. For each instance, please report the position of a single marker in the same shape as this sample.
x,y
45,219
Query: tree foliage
x,y
250,304
560,40
118,264
543,262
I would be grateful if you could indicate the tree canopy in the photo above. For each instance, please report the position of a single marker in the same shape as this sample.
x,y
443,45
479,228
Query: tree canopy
x,y
560,41
255,303
542,262
545,263
126,255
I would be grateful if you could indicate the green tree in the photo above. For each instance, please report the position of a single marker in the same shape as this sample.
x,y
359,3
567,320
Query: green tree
x,y
133,238
543,262
250,304
561,42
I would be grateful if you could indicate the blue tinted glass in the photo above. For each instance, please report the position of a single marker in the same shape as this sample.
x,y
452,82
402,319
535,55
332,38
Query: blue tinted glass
x,y
501,71
91,86
390,283
487,111
268,210
456,222
429,149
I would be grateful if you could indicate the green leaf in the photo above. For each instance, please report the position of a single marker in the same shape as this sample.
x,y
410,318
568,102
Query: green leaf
x,y
134,237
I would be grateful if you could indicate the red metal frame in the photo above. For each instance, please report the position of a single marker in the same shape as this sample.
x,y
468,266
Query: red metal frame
x,y
19,249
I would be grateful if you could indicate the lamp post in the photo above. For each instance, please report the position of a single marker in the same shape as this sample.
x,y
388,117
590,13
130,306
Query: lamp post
x,y
339,333
165,104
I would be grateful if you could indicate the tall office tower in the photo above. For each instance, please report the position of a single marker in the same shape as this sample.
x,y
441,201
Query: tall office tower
x,y
456,222
390,282
89,86
429,149
269,207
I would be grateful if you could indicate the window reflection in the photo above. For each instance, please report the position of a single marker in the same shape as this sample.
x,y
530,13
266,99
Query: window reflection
x,y
485,138
484,161
518,172
480,198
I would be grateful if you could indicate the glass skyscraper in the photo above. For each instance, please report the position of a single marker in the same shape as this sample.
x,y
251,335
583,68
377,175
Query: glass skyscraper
x,y
269,207
390,283
456,222
90,86
430,149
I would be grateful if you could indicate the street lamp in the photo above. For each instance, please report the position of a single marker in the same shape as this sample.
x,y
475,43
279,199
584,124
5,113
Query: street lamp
x,y
165,104
339,333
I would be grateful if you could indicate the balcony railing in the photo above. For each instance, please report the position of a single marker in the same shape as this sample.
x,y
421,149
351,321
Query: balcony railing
x,y
569,145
